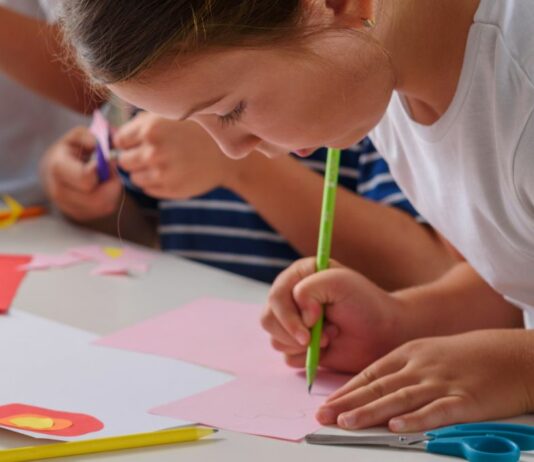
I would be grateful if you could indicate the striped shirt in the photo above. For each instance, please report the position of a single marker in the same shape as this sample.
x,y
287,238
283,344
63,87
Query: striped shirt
x,y
222,230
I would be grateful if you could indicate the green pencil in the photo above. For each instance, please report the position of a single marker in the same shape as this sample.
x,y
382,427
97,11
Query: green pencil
x,y
323,255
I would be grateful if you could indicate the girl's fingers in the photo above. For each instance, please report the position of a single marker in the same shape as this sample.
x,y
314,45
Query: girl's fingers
x,y
297,361
281,302
438,413
134,159
362,396
386,366
397,403
278,333
130,134
290,350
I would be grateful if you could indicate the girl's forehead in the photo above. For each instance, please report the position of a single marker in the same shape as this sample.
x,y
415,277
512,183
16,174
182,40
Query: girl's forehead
x,y
170,88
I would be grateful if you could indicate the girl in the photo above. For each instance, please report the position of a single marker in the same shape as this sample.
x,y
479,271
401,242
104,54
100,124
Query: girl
x,y
447,88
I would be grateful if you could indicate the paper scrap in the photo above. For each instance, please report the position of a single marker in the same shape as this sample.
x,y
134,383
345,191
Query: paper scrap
x,y
41,261
15,210
115,387
110,260
227,336
11,277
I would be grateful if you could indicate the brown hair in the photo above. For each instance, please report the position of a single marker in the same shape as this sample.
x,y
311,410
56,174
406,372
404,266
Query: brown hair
x,y
117,40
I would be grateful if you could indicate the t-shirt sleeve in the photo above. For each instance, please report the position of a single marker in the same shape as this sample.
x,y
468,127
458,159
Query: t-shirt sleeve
x,y
523,170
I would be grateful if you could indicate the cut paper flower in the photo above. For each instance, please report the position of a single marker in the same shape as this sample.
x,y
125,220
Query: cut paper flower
x,y
111,260
47,421
115,260
42,261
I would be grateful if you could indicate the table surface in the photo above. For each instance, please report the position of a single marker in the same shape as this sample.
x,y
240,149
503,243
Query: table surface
x,y
105,304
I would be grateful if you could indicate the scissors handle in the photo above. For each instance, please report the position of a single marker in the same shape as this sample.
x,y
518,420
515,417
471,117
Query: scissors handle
x,y
476,448
522,435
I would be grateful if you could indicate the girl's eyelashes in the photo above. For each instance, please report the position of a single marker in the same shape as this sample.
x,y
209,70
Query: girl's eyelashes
x,y
234,116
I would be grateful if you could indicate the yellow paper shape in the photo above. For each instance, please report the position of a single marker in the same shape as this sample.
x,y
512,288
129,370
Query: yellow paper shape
x,y
16,211
113,252
32,423
36,422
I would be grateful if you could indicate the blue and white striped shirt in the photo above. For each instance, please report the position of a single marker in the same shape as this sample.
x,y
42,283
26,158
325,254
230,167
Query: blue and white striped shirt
x,y
220,229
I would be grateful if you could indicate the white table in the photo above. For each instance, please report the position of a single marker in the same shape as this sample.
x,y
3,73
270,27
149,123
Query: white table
x,y
105,304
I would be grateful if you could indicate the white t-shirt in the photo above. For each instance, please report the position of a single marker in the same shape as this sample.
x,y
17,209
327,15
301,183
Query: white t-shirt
x,y
29,124
471,174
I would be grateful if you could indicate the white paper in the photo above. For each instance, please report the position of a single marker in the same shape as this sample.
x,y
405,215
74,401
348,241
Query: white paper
x,y
54,366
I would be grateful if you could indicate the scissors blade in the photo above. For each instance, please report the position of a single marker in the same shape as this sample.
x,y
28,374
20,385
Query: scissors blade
x,y
391,441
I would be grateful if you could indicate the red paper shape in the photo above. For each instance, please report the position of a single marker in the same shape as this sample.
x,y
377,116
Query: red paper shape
x,y
81,423
10,278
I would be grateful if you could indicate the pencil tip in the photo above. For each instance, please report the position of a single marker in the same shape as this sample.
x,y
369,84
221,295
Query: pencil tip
x,y
310,388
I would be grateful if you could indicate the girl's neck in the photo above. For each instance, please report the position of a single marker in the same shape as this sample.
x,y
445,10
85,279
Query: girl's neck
x,y
427,42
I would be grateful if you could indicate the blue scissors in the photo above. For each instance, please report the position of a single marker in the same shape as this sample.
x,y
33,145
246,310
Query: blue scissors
x,y
476,442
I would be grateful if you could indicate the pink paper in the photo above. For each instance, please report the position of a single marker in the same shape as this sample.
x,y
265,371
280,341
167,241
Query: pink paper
x,y
267,398
42,261
214,333
130,260
118,261
101,129
276,406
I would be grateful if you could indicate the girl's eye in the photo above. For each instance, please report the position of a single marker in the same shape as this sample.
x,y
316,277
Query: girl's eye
x,y
234,116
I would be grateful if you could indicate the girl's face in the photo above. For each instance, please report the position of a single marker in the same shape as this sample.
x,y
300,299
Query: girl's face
x,y
274,101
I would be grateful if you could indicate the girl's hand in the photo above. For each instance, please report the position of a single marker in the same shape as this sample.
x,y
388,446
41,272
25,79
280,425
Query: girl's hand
x,y
362,322
71,181
171,159
428,383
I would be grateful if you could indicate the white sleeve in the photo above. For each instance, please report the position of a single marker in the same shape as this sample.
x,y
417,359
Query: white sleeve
x,y
524,168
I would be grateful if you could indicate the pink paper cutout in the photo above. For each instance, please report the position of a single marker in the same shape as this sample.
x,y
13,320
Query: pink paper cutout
x,y
268,398
42,261
101,129
131,260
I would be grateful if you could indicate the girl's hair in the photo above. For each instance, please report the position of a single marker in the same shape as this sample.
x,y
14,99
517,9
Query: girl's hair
x,y
117,40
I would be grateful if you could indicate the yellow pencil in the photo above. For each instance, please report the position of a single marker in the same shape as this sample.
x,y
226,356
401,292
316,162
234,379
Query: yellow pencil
x,y
115,443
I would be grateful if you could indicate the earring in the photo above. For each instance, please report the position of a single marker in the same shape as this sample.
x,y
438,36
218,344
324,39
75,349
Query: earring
x,y
369,23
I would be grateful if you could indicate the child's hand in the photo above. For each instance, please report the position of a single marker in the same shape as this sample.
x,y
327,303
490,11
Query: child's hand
x,y
428,383
362,322
71,180
171,159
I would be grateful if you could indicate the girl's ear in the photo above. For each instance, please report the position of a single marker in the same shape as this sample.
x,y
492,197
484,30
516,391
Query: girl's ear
x,y
352,13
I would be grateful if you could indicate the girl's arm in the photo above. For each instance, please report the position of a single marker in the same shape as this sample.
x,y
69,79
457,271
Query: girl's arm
x,y
382,242
32,53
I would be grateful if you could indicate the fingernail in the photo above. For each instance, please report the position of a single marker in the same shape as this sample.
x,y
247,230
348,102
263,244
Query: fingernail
x,y
346,421
397,425
302,338
326,416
